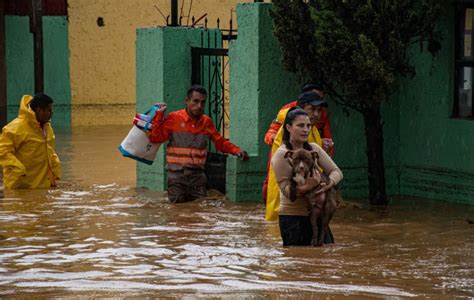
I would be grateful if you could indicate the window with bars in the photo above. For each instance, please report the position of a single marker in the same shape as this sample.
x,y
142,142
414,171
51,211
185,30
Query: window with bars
x,y
464,64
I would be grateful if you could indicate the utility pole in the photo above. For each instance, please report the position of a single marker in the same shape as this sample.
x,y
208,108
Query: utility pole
x,y
36,27
174,13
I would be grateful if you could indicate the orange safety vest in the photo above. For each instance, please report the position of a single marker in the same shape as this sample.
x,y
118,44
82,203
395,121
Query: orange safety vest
x,y
188,139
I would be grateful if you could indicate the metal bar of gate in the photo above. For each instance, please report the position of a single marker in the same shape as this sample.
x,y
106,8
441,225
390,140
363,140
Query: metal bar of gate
x,y
215,77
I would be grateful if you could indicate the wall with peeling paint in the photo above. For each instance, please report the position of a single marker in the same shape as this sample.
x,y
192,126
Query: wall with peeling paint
x,y
163,75
437,149
258,87
20,66
427,153
102,58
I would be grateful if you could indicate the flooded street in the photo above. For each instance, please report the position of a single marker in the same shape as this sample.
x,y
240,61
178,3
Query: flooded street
x,y
99,236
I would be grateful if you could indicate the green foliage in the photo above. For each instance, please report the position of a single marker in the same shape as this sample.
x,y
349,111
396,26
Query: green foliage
x,y
294,29
356,48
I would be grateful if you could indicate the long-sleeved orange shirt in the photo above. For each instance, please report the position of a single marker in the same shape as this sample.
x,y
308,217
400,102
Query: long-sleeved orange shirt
x,y
188,139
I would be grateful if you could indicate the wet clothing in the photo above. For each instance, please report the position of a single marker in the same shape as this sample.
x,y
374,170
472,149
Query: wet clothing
x,y
188,140
186,185
187,150
298,231
323,125
27,151
294,231
273,193
283,173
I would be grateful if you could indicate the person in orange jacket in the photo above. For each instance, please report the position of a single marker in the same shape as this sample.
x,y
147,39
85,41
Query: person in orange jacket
x,y
188,132
322,124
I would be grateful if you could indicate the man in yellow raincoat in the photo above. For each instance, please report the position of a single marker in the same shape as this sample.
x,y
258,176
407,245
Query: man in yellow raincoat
x,y
27,146
312,103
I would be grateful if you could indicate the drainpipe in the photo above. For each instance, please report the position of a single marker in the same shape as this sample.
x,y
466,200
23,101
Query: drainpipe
x,y
174,13
36,27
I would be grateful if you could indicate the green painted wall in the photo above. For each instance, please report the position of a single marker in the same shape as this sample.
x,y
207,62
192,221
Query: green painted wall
x,y
437,150
163,75
427,154
20,68
258,89
350,144
260,86
19,62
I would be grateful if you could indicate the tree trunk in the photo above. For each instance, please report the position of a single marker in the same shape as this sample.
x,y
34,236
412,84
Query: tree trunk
x,y
376,168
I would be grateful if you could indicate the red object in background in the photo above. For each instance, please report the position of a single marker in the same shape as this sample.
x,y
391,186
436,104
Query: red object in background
x,y
23,7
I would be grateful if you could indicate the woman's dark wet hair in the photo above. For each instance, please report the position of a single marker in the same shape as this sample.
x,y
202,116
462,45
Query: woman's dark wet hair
x,y
292,114
40,100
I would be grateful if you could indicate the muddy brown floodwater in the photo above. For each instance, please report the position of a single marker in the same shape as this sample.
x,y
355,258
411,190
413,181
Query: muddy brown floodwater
x,y
98,236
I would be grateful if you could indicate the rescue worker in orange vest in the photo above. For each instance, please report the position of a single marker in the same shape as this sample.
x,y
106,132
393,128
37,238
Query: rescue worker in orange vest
x,y
188,132
322,125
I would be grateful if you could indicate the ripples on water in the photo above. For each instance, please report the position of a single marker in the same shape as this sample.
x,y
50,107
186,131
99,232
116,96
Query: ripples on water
x,y
101,237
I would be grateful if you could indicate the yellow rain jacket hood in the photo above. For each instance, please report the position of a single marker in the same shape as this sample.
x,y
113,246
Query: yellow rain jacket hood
x,y
27,151
273,193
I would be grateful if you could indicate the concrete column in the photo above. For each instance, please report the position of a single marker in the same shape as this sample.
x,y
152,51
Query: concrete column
x,y
164,75
20,67
258,87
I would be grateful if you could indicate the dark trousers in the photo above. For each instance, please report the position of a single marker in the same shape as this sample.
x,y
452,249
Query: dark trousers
x,y
297,231
187,185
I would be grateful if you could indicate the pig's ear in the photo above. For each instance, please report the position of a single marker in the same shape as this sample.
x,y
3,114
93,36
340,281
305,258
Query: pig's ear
x,y
289,157
315,155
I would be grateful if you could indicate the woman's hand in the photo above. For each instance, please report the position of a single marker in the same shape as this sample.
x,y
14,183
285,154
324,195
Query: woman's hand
x,y
311,182
325,187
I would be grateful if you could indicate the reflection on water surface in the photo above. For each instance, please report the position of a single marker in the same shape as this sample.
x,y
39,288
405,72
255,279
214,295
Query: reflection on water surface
x,y
99,236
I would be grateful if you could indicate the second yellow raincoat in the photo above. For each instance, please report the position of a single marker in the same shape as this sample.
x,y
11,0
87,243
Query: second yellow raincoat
x,y
273,194
27,151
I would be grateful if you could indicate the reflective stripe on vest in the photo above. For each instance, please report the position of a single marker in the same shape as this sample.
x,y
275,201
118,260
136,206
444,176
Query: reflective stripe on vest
x,y
187,151
186,156
186,160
